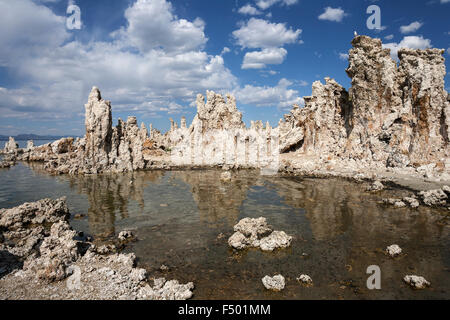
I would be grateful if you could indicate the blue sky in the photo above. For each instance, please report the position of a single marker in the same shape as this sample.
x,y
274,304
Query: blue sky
x,y
152,57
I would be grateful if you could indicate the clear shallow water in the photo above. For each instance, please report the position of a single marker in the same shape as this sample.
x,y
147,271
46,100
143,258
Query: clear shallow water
x,y
184,218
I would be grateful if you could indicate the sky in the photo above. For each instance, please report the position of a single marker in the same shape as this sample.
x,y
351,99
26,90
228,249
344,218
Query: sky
x,y
151,58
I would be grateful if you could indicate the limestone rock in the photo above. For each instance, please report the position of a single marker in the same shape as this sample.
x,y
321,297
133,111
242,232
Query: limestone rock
x,y
275,283
393,250
416,282
11,146
434,197
257,233
376,186
305,280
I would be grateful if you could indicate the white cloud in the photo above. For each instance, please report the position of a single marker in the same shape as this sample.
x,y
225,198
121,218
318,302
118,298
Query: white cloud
x,y
448,50
258,33
333,14
263,96
412,42
249,9
56,73
389,37
343,56
259,59
225,50
153,25
265,4
412,27
445,1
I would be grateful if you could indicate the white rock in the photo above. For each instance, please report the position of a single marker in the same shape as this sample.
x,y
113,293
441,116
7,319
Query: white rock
x,y
305,279
393,250
275,283
416,282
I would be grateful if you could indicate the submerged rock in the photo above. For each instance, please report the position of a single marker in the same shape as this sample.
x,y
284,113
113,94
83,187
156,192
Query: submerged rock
x,y
305,280
39,235
11,146
257,233
412,202
393,250
416,282
376,186
225,176
434,197
398,203
167,290
275,283
125,235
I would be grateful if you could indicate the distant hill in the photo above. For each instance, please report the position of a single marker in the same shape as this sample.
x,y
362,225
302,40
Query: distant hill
x,y
22,137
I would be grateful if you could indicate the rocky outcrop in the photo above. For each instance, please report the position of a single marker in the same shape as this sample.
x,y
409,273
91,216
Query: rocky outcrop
x,y
416,282
11,146
39,249
393,116
257,233
275,283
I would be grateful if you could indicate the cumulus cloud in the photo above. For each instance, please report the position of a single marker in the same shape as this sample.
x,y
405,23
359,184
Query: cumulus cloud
x,y
56,72
142,72
259,33
411,42
333,14
263,96
152,25
265,4
259,59
249,9
343,56
412,27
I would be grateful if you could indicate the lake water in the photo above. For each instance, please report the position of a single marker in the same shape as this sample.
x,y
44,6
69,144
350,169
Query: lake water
x,y
184,218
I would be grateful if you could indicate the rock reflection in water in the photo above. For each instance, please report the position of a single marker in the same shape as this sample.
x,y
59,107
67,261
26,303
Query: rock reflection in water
x,y
338,229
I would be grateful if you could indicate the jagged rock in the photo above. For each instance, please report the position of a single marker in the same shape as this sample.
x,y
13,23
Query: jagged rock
x,y
416,282
275,283
125,235
57,252
45,211
6,164
225,176
412,202
30,145
305,280
52,255
11,146
398,203
393,250
167,290
376,186
434,197
257,233
277,239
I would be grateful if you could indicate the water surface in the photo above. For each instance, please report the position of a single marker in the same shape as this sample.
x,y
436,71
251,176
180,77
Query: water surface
x,y
184,218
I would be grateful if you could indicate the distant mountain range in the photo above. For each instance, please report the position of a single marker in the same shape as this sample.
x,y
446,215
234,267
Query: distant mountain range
x,y
22,137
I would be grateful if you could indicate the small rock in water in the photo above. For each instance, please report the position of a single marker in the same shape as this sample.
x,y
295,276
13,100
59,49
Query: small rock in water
x,y
434,197
164,205
258,234
395,202
125,235
225,176
305,280
393,250
416,282
412,202
164,268
275,283
376,186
